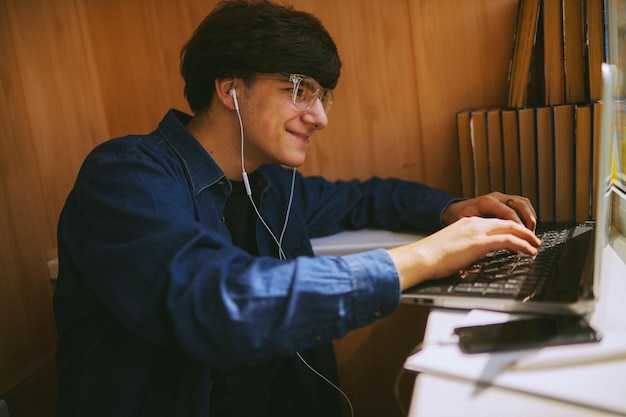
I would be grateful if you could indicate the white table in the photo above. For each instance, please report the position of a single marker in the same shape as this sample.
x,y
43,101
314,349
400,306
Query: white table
x,y
451,383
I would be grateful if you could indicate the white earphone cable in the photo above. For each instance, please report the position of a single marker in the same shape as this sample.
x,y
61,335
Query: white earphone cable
x,y
328,381
279,241
246,183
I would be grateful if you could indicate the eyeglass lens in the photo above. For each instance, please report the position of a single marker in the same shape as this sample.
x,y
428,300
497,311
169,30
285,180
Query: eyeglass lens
x,y
306,90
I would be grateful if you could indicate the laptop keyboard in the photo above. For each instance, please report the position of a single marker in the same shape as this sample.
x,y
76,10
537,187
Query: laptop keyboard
x,y
512,275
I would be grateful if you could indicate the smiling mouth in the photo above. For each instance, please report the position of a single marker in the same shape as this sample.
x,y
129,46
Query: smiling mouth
x,y
302,137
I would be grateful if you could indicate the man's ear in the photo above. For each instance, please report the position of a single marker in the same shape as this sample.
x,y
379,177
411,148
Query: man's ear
x,y
223,87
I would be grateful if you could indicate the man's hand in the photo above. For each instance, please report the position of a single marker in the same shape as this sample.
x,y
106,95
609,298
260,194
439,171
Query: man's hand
x,y
459,244
502,206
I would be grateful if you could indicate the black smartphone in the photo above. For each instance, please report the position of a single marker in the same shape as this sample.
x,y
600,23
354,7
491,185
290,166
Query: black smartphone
x,y
526,333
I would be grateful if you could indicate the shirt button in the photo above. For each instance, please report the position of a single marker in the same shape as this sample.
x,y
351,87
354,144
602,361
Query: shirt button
x,y
318,338
223,219
377,311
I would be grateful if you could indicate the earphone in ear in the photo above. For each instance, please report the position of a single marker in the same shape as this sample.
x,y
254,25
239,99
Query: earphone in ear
x,y
233,93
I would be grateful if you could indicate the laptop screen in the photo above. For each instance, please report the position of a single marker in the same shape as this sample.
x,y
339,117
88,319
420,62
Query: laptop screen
x,y
603,191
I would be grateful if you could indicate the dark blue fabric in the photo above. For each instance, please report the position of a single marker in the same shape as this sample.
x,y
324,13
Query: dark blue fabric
x,y
152,294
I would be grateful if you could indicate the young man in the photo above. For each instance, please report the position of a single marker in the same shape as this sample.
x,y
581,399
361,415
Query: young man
x,y
187,285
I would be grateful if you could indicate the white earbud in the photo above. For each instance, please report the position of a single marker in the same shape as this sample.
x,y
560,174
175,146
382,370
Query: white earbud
x,y
233,93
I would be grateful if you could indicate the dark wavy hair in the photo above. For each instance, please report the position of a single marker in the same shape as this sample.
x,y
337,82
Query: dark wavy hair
x,y
243,37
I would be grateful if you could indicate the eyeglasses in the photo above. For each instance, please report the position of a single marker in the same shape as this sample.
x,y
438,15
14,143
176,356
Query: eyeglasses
x,y
305,91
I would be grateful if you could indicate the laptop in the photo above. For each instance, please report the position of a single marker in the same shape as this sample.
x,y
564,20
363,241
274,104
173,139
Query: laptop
x,y
560,279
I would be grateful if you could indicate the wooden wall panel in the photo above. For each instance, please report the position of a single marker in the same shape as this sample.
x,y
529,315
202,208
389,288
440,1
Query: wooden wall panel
x,y
461,57
63,104
408,67
136,47
27,332
374,123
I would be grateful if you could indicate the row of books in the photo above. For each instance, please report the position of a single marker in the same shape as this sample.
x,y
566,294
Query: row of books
x,y
545,153
541,143
558,49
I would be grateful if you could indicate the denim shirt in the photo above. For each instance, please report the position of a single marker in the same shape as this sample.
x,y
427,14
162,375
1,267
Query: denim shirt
x,y
152,294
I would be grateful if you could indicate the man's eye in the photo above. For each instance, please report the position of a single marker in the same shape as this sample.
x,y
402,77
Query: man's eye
x,y
301,92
